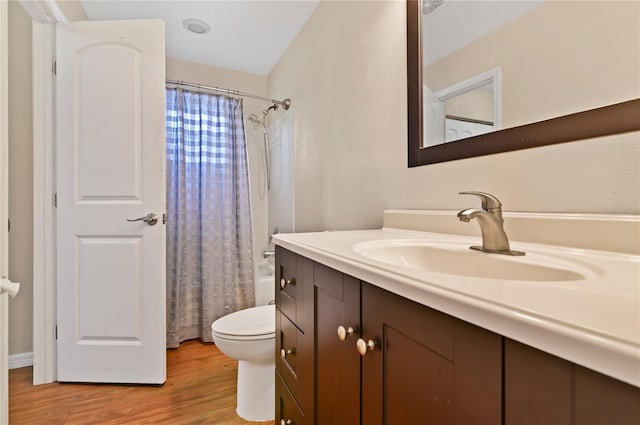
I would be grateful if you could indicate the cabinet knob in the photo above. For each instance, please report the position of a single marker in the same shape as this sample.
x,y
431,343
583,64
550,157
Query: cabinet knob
x,y
287,422
284,282
365,346
344,333
284,353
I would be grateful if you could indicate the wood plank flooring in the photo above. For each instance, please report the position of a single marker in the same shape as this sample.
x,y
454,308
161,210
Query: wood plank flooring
x,y
200,389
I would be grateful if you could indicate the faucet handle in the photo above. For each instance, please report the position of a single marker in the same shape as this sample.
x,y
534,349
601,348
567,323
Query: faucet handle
x,y
489,201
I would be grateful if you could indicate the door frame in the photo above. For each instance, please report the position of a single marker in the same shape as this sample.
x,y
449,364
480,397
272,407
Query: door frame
x,y
44,14
4,239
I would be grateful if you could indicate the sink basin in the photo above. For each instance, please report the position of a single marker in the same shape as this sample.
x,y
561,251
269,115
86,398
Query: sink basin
x,y
455,258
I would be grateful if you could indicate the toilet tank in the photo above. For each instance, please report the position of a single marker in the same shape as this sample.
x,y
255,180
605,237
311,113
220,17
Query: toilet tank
x,y
265,287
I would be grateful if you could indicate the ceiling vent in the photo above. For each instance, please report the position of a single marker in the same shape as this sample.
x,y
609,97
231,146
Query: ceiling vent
x,y
196,26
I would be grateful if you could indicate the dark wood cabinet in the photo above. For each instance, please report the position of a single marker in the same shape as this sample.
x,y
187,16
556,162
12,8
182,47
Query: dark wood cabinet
x,y
427,367
540,388
337,303
294,338
420,366
287,408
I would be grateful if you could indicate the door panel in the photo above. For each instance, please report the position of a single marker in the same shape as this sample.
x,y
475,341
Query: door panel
x,y
458,380
431,388
337,362
99,144
110,109
101,285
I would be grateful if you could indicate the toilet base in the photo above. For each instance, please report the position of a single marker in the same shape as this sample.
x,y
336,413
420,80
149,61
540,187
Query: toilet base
x,y
256,391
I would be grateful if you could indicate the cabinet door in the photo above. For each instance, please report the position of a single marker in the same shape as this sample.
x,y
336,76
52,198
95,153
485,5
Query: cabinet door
x,y
337,362
543,389
426,367
537,387
600,399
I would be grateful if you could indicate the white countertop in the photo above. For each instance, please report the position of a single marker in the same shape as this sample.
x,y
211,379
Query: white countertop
x,y
593,322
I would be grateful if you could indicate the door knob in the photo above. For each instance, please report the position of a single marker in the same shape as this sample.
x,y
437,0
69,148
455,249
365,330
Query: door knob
x,y
365,346
286,422
285,282
284,353
344,333
150,219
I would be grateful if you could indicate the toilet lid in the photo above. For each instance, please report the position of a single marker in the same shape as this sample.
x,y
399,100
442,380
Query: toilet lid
x,y
254,321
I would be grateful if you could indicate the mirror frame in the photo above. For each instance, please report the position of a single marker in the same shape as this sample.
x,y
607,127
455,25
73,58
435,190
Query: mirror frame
x,y
613,119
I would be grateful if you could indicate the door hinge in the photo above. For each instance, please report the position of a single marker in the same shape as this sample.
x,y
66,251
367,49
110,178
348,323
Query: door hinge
x,y
164,218
9,225
54,68
55,200
55,332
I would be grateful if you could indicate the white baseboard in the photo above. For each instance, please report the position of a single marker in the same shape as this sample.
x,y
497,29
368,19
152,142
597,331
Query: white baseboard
x,y
20,360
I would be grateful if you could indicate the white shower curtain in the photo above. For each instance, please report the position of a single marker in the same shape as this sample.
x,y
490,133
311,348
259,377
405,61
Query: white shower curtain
x,y
209,246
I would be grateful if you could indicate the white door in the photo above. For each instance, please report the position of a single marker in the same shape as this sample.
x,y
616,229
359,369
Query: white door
x,y
433,118
110,136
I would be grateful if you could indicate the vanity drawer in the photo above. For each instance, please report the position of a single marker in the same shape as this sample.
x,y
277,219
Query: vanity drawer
x,y
294,275
290,355
287,352
287,284
295,363
287,410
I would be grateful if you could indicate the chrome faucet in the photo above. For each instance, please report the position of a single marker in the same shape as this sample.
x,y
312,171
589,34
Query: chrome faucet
x,y
494,239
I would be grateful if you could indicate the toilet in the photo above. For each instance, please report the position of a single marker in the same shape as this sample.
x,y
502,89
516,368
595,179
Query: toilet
x,y
249,336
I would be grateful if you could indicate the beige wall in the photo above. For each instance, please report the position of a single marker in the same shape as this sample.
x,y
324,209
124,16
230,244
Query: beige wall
x,y
248,83
346,76
72,10
20,179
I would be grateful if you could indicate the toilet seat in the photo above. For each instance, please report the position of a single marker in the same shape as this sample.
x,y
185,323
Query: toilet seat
x,y
252,324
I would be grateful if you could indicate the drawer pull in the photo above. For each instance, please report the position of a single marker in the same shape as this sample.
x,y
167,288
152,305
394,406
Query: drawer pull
x,y
286,282
365,346
287,422
344,333
284,353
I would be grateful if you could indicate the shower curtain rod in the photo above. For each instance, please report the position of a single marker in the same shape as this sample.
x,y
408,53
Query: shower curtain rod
x,y
286,103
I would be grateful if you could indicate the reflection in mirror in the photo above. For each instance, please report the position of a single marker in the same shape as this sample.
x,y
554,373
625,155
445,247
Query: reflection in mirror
x,y
568,70
469,114
448,27
466,109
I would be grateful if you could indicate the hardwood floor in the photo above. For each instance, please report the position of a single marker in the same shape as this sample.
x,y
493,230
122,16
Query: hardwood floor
x,y
200,389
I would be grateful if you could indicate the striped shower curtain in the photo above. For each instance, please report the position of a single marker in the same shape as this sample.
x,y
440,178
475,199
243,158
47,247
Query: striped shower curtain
x,y
209,246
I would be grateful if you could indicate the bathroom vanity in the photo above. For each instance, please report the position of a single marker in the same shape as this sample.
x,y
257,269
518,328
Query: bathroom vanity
x,y
361,340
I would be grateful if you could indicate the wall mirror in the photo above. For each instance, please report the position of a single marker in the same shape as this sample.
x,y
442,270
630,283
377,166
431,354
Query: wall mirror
x,y
493,76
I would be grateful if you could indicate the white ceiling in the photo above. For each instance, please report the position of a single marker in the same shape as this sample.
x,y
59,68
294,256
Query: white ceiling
x,y
245,35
